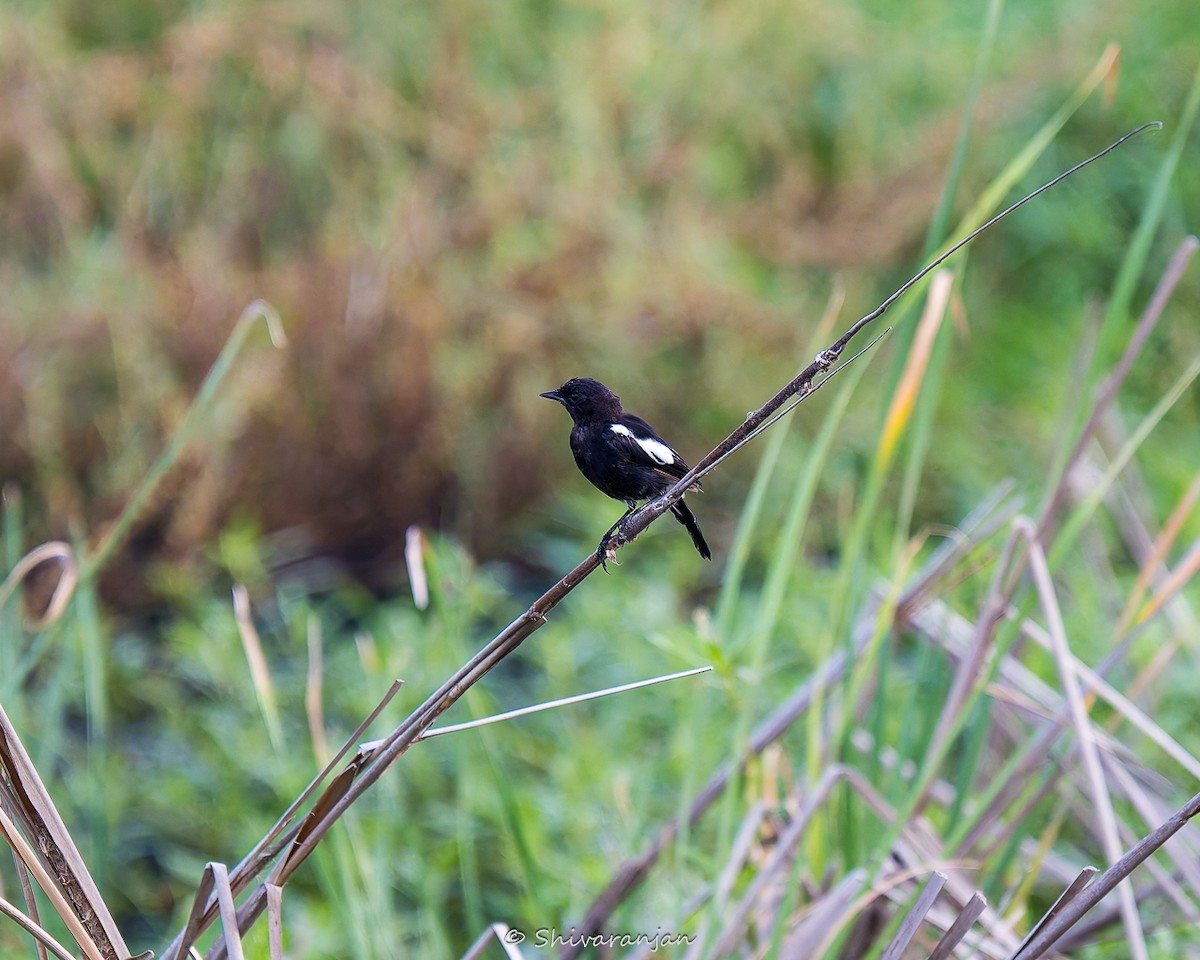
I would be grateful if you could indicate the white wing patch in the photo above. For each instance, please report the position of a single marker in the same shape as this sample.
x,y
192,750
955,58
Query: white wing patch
x,y
656,450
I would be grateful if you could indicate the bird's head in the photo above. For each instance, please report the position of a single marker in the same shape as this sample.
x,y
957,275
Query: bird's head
x,y
586,399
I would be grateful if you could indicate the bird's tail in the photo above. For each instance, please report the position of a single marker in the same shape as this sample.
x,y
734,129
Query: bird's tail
x,y
688,519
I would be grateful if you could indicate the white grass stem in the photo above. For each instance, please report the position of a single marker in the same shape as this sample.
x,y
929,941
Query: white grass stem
x,y
548,705
1101,799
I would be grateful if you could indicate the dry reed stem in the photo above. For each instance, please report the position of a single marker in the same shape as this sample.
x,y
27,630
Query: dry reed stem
x,y
275,920
805,935
30,901
66,882
915,917
191,927
1152,811
1104,884
779,860
739,851
970,913
1108,389
229,924
41,936
1124,707
62,906
1070,893
282,833
1101,798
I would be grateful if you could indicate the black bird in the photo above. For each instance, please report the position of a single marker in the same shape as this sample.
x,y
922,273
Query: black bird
x,y
621,455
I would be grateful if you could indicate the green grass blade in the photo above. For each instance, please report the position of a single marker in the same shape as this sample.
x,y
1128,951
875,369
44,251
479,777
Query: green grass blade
x,y
96,559
1134,263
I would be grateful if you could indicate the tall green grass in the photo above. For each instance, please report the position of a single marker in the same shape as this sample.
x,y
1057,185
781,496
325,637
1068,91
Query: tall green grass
x,y
163,751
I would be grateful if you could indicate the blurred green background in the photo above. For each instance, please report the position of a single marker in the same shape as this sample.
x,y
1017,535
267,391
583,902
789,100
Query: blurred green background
x,y
454,207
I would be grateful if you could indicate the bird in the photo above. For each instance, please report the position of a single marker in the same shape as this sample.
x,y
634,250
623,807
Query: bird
x,y
622,456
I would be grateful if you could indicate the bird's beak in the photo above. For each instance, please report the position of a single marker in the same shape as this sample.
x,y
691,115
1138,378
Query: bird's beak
x,y
551,395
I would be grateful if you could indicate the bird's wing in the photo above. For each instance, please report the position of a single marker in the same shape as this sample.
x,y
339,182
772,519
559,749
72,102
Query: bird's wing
x,y
639,441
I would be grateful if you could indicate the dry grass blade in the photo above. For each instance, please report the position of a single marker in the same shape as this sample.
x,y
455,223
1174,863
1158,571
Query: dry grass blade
x,y
1103,885
25,853
275,920
260,673
887,887
1186,859
71,887
780,857
806,936
41,937
317,817
316,781
905,397
1072,891
1172,584
1101,799
30,901
782,854
973,658
229,917
192,927
966,919
739,852
913,919
313,707
266,849
63,590
414,561
1154,561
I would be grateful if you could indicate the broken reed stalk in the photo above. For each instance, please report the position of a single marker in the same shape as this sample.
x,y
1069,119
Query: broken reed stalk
x,y
365,771
1104,884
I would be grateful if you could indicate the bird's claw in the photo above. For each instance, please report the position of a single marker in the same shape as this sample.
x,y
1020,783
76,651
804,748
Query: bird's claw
x,y
604,552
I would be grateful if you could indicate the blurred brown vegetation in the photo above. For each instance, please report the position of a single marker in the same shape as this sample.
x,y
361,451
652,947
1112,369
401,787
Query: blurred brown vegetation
x,y
453,207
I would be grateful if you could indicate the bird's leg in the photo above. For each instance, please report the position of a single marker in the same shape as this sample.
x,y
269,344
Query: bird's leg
x,y
602,550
